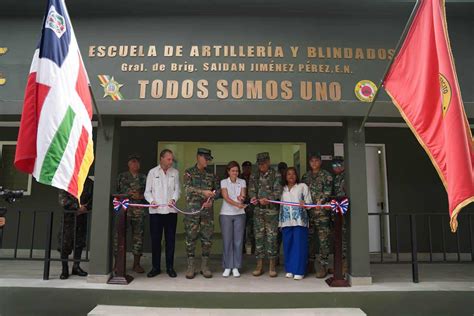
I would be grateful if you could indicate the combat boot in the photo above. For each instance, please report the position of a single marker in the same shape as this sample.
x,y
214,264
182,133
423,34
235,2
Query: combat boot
x,y
65,272
259,269
76,269
136,264
310,267
205,271
272,273
190,273
322,272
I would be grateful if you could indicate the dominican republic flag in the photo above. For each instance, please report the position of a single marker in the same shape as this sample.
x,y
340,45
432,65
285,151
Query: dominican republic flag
x,y
422,83
55,137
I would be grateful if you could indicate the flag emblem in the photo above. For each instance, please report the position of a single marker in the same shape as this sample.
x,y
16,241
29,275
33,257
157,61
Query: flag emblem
x,y
55,22
445,93
365,90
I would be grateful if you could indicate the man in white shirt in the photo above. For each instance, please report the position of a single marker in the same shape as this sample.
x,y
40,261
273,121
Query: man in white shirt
x,y
162,187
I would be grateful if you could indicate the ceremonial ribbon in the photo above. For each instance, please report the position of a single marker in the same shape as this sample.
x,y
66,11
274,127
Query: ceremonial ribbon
x,y
340,207
335,206
125,204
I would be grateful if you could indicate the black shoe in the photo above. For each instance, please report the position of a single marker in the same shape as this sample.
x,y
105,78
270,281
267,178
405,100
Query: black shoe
x,y
153,273
171,273
65,271
76,270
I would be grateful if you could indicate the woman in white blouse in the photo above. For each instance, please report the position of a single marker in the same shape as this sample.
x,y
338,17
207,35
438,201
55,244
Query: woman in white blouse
x,y
232,219
293,222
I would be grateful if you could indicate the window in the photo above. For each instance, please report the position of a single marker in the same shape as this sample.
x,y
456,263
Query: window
x,y
10,177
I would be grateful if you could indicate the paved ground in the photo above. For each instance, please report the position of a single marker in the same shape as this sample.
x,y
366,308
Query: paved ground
x,y
387,277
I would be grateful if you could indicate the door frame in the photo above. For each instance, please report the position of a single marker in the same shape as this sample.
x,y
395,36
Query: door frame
x,y
386,247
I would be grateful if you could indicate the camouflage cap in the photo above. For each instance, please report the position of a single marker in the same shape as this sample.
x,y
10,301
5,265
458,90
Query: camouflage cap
x,y
205,152
134,156
262,157
315,155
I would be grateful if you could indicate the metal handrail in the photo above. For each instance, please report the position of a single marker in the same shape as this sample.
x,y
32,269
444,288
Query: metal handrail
x,y
412,217
48,240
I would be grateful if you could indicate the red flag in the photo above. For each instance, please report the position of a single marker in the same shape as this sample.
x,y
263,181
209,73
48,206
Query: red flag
x,y
422,83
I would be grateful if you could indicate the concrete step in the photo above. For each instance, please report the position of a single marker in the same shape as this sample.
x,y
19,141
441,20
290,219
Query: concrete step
x,y
101,310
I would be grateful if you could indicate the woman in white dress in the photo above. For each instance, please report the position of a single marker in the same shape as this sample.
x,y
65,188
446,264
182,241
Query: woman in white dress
x,y
293,222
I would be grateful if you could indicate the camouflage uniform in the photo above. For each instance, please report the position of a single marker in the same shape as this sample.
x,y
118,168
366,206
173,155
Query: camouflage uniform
x,y
268,186
66,242
339,191
200,225
128,182
320,186
249,222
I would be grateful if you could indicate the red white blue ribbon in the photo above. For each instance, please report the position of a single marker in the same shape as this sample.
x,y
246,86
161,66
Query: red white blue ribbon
x,y
125,204
119,204
340,207
335,206
299,205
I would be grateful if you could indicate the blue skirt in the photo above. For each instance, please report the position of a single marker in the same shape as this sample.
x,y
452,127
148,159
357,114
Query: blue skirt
x,y
295,247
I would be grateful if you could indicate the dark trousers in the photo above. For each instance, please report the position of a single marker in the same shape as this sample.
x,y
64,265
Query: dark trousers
x,y
158,223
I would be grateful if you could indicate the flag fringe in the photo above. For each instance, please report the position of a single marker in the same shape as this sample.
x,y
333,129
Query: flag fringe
x,y
453,223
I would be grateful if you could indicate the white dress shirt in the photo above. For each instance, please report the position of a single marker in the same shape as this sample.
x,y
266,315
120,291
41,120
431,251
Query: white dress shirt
x,y
162,187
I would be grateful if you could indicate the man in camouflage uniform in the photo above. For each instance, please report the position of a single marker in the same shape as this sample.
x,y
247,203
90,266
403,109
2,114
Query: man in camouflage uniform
x,y
265,185
74,225
319,182
201,188
133,183
339,192
249,230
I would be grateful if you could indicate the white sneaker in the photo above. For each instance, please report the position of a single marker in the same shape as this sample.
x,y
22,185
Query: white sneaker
x,y
226,273
235,272
298,277
289,275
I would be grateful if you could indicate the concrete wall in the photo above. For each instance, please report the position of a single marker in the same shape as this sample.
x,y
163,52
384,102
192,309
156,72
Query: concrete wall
x,y
325,30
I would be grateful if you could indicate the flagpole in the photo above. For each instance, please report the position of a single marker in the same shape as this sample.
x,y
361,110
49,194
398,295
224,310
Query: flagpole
x,y
99,116
389,65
